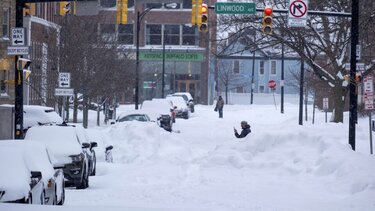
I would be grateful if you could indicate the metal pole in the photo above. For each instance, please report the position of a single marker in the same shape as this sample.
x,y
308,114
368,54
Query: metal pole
x,y
371,150
163,70
136,94
252,73
282,79
353,63
301,93
18,77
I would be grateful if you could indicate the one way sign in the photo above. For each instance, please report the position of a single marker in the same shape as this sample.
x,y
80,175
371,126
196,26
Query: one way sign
x,y
64,80
18,36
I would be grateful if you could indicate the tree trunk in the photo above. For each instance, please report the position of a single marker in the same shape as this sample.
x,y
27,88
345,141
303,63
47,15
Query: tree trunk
x,y
75,108
226,94
339,103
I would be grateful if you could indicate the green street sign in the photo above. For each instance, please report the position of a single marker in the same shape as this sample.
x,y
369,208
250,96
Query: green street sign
x,y
234,8
171,56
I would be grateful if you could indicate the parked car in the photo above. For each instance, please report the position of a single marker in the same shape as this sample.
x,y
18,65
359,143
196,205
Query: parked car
x,y
161,111
18,184
38,158
70,152
133,116
180,107
83,138
188,99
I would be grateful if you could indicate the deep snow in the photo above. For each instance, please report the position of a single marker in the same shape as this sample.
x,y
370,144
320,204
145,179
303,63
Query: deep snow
x,y
279,166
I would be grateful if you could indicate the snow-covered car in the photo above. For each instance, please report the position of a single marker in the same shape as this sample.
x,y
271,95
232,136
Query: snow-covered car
x,y
180,107
188,99
63,142
18,183
159,110
84,138
36,115
133,116
39,159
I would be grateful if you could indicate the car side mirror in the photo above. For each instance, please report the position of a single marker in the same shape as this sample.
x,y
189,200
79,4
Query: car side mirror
x,y
86,145
36,175
110,147
93,144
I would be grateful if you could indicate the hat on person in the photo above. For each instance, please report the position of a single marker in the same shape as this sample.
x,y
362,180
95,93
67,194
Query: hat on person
x,y
243,123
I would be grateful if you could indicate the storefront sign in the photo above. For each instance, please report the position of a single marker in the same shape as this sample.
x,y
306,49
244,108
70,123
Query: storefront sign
x,y
171,56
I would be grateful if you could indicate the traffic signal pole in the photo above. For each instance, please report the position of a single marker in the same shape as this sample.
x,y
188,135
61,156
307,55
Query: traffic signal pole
x,y
18,78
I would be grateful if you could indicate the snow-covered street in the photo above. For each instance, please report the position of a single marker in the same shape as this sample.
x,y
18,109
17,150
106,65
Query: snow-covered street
x,y
279,166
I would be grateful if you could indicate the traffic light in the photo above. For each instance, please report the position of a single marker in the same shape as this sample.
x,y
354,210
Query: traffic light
x,y
122,11
267,20
65,7
203,14
195,14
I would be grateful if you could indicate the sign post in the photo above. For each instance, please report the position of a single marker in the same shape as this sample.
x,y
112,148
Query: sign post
x,y
325,106
272,86
369,102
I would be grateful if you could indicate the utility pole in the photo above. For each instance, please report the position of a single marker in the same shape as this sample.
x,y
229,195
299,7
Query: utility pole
x,y
253,71
301,92
353,63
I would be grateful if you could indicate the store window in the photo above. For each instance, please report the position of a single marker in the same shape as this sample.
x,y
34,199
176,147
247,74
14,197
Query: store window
x,y
261,67
125,34
261,89
3,85
236,66
108,32
153,34
5,24
172,34
273,67
189,35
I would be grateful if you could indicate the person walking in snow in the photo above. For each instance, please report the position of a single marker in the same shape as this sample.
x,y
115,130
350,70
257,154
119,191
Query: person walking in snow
x,y
219,106
245,130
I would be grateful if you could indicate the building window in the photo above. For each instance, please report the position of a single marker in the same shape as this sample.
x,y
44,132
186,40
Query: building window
x,y
240,89
3,85
261,89
261,67
125,34
172,34
186,4
189,35
5,24
273,67
108,32
153,34
236,66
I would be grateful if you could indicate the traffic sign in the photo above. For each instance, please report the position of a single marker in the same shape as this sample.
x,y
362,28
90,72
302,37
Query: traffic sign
x,y
64,92
272,84
18,36
234,8
325,103
18,50
64,80
359,66
368,93
297,13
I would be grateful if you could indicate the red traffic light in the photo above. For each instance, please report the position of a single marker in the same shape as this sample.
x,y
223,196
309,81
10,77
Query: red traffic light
x,y
268,11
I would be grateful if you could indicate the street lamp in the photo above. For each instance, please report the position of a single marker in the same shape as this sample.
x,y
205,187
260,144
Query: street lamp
x,y
140,16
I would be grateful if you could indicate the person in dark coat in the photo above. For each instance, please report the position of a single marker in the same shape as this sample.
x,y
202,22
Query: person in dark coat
x,y
245,130
220,106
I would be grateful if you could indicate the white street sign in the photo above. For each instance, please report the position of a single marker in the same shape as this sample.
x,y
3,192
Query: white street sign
x,y
64,80
18,50
368,96
297,13
325,103
64,92
18,36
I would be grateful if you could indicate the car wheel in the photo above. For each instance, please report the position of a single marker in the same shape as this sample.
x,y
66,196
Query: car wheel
x,y
85,182
61,202
94,166
42,198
